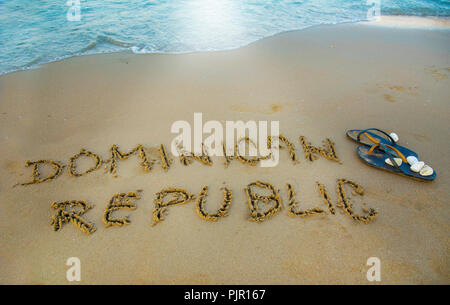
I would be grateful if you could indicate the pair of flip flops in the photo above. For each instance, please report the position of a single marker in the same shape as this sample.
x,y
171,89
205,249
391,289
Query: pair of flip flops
x,y
380,149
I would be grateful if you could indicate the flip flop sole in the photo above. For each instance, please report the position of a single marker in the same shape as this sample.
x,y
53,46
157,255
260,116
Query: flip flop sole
x,y
377,159
353,134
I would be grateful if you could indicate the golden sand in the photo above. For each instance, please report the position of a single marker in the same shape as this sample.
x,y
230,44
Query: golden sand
x,y
96,129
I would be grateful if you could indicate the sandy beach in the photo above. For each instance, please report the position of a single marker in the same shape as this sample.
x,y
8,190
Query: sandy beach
x,y
317,83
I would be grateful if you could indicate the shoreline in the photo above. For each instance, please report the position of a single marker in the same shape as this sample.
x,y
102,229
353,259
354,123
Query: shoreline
x,y
317,83
399,22
430,22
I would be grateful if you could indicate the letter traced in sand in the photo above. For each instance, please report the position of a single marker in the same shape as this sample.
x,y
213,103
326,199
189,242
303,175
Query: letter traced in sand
x,y
292,210
223,210
165,161
180,196
57,166
344,202
227,159
253,199
121,201
249,161
326,198
290,146
73,166
66,212
187,158
116,154
312,152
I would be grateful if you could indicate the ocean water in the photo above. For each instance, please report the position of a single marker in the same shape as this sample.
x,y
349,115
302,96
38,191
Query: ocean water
x,y
33,32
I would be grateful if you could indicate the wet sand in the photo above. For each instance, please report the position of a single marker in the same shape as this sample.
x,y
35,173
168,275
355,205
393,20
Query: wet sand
x,y
317,82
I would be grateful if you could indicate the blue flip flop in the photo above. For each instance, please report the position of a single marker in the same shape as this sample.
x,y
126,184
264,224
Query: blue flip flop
x,y
368,138
378,153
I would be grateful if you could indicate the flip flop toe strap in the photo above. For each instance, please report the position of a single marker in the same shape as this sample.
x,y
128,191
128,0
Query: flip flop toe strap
x,y
383,148
365,133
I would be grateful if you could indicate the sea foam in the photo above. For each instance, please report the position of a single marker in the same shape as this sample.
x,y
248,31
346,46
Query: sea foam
x,y
36,32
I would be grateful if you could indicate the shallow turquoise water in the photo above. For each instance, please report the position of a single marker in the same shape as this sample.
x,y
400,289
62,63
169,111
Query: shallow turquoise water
x,y
34,32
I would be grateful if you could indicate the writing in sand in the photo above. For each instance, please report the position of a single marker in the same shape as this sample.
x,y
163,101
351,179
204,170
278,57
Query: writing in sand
x,y
263,198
